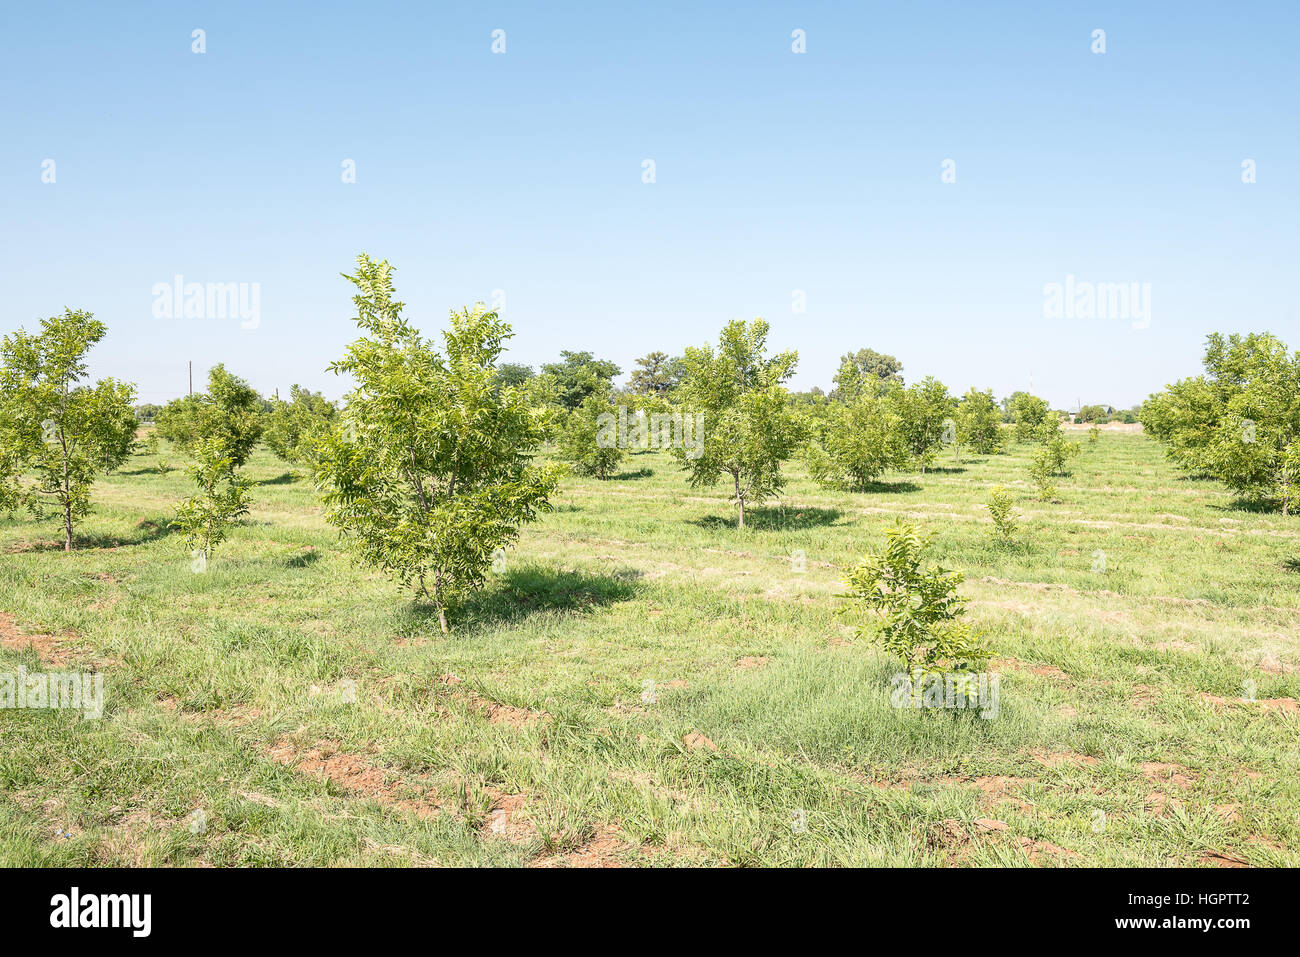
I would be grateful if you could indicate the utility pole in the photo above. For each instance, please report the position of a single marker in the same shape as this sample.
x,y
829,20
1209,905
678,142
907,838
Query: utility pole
x,y
191,377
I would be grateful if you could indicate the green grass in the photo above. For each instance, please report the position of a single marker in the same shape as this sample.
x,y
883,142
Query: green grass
x,y
229,692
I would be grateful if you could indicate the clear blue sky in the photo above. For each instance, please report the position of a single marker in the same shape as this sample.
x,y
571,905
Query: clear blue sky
x,y
775,172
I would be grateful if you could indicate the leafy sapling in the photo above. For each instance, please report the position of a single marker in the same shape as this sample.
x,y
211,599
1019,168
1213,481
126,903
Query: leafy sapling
x,y
750,428
218,428
914,610
222,500
1002,512
590,438
430,471
1040,470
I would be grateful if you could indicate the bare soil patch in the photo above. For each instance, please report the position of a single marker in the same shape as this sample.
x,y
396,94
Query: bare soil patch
x,y
495,711
1222,859
356,775
1174,774
51,649
1037,850
694,741
604,849
1056,759
1004,788
508,821
1287,705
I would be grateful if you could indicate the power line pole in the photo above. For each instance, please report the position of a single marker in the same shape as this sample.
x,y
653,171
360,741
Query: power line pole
x,y
191,377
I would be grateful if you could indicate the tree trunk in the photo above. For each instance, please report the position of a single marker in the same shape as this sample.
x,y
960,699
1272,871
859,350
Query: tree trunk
x,y
740,502
67,495
437,600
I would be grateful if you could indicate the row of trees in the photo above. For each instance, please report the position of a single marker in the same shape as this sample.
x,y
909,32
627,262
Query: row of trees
x,y
577,376
1239,422
873,422
892,426
429,467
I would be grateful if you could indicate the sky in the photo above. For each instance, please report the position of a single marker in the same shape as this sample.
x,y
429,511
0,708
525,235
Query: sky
x,y
807,188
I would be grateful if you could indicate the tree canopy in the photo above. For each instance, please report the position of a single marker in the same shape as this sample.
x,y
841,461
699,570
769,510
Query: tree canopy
x,y
1240,421
578,375
867,370
53,428
750,427
430,471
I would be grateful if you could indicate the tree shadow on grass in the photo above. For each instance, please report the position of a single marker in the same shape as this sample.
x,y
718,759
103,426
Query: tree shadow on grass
x,y
775,519
529,591
145,531
285,478
626,476
891,488
1292,565
945,470
1242,503
303,559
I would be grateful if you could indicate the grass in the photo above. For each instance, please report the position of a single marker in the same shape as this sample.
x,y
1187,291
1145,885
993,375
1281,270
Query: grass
x,y
645,684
